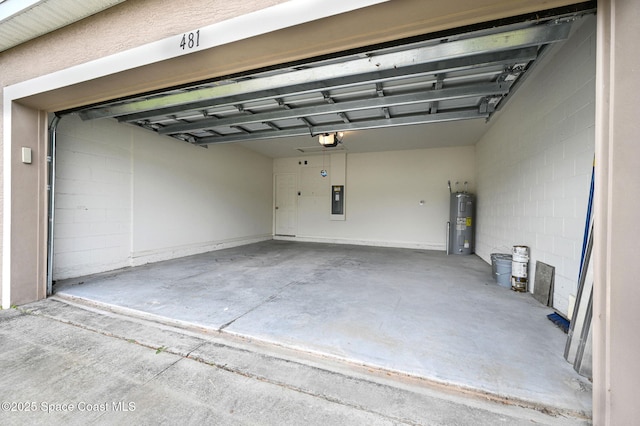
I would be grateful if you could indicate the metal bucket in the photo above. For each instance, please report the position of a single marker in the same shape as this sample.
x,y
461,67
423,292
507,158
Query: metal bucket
x,y
519,269
520,253
501,268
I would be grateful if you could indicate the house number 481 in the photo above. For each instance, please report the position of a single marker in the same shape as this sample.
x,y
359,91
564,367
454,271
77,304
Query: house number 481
x,y
190,40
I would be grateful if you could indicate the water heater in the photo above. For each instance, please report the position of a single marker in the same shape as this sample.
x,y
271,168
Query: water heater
x,y
461,224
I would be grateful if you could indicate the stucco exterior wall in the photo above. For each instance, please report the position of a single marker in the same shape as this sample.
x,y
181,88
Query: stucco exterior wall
x,y
28,252
125,26
616,295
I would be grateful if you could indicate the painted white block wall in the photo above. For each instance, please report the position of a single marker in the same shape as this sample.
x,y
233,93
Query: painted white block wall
x,y
534,165
126,196
93,197
382,196
189,199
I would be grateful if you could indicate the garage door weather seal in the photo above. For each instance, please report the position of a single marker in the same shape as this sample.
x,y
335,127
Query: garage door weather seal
x,y
51,188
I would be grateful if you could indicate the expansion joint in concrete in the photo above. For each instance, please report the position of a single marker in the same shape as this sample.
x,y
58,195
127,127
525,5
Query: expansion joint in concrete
x,y
264,302
189,355
299,389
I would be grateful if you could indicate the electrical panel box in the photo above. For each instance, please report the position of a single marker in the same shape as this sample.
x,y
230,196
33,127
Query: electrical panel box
x,y
337,199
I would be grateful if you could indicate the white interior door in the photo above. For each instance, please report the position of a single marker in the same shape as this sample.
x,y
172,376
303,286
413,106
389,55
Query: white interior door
x,y
286,213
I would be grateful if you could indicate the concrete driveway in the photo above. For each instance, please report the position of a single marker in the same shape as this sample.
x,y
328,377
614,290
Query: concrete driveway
x,y
63,363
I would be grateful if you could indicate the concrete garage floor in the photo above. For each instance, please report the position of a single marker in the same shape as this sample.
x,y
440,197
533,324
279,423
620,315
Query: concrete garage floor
x,y
437,317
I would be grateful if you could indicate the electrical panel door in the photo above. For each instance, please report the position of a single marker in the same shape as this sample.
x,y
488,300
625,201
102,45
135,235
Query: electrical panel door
x,y
337,199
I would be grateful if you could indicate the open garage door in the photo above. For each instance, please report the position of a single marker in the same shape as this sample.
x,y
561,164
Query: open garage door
x,y
459,76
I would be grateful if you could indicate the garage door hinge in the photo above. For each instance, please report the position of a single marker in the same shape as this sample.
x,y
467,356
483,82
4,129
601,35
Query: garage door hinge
x,y
48,158
48,187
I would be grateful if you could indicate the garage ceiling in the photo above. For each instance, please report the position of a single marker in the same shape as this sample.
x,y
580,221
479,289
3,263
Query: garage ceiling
x,y
467,76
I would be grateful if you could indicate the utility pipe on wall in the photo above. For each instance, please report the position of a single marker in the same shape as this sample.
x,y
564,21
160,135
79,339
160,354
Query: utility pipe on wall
x,y
447,238
51,159
448,223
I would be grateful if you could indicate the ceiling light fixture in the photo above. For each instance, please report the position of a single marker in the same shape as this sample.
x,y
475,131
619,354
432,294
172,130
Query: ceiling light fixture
x,y
330,139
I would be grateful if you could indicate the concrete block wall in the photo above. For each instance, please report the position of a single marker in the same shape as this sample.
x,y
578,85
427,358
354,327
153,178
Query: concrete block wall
x,y
93,197
383,191
189,199
126,196
534,165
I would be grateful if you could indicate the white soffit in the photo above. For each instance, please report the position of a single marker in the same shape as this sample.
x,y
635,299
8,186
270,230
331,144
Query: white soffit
x,y
23,20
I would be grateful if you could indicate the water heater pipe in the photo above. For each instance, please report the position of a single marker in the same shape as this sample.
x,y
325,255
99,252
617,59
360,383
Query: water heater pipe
x,y
447,238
